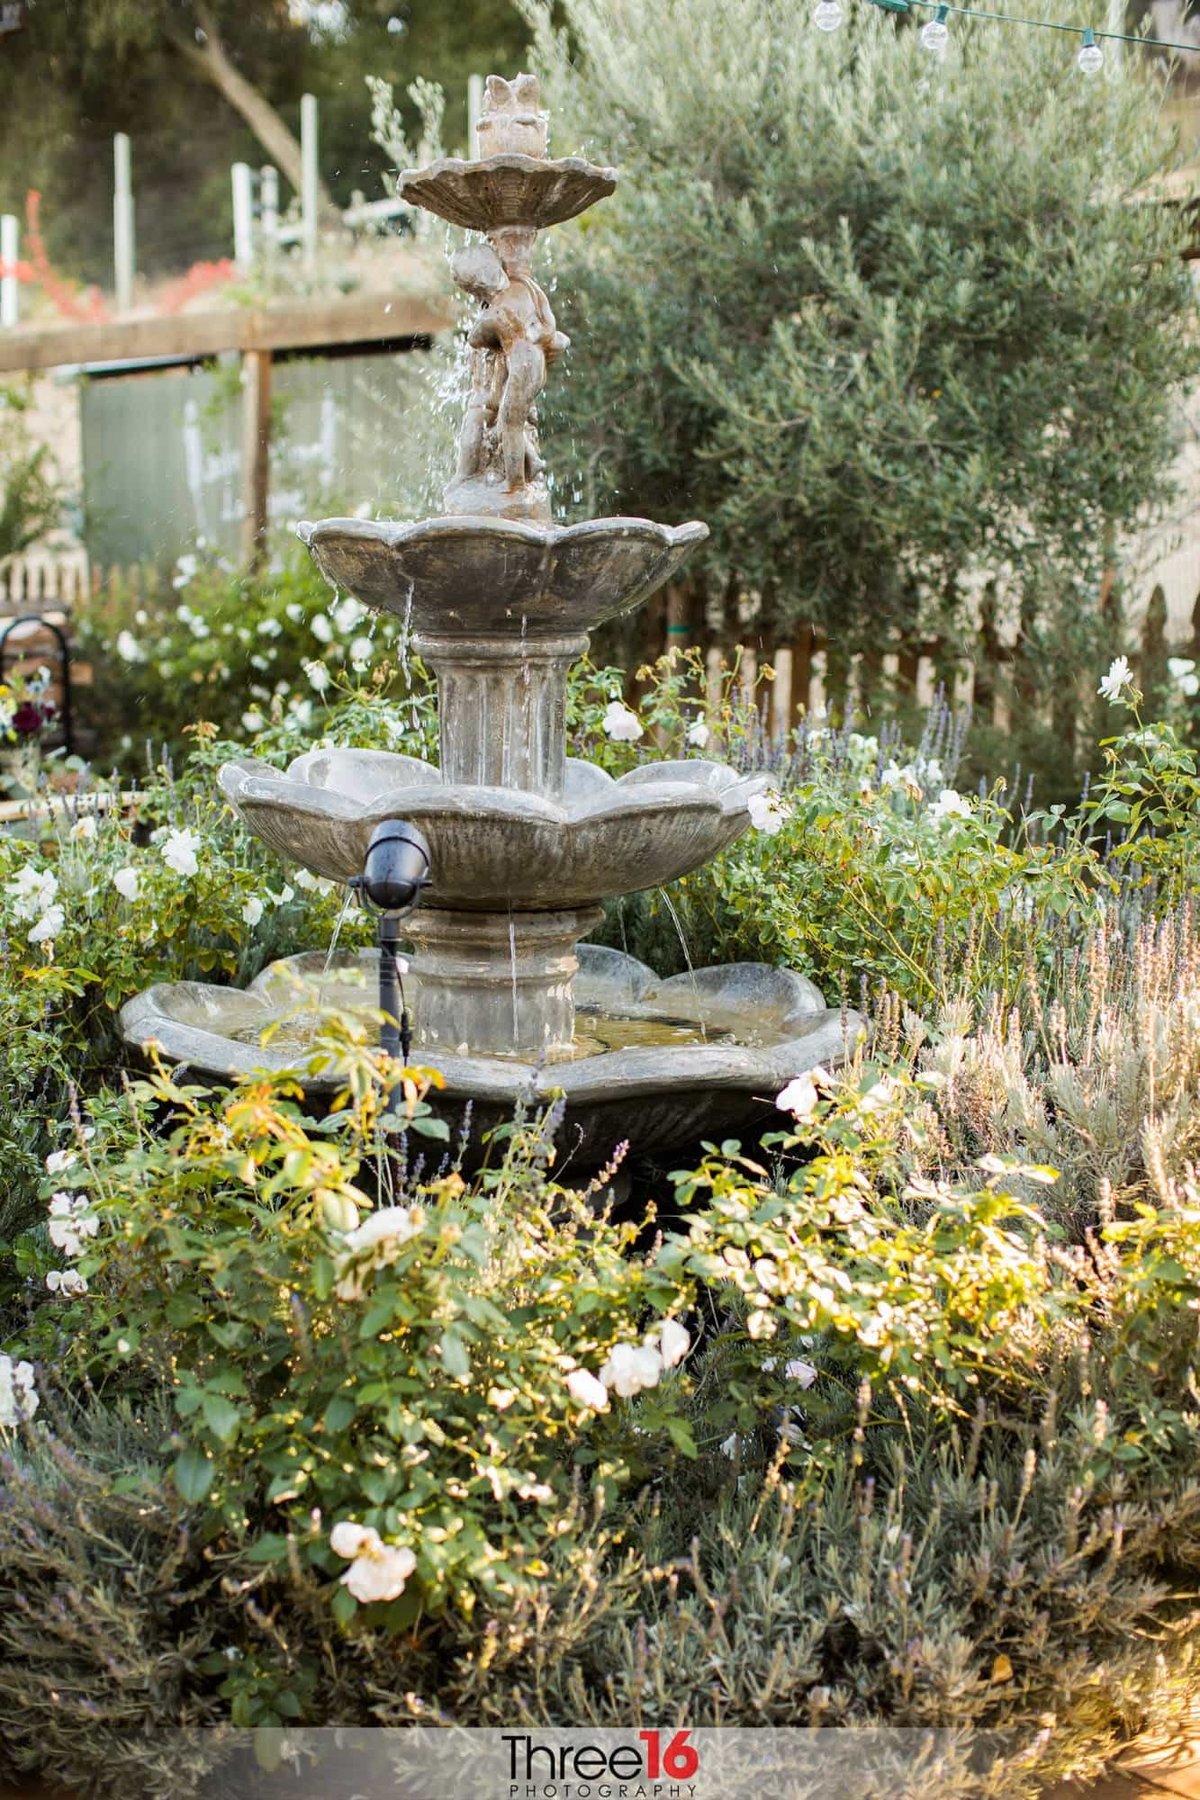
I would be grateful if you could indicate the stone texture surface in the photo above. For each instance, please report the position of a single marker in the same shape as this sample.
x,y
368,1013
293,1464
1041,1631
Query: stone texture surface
x,y
496,848
471,578
502,720
494,984
507,189
655,1098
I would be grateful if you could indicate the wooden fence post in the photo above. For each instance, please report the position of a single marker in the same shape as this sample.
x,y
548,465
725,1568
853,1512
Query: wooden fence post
x,y
242,183
124,254
256,454
10,245
310,197
781,695
1152,661
268,192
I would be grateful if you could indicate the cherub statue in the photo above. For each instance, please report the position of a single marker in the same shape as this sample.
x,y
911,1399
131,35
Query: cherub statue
x,y
513,342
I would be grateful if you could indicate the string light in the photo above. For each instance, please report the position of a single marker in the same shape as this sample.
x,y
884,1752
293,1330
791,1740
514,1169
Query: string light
x,y
936,35
827,15
1091,58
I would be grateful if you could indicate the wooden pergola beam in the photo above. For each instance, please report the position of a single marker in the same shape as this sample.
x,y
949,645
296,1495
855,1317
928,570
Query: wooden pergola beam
x,y
308,325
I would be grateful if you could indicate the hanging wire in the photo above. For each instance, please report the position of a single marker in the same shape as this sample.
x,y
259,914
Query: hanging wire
x,y
977,12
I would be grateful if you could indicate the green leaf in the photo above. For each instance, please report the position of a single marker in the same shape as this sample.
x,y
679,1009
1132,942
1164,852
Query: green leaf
x,y
271,1547
430,1126
680,1434
455,1359
377,1318
339,1412
222,1417
193,1474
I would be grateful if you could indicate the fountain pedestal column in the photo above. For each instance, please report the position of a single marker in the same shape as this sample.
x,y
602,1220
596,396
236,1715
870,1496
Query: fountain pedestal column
x,y
498,984
502,709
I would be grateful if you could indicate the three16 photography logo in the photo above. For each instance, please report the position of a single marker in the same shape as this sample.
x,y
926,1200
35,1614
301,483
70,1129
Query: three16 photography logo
x,y
650,1765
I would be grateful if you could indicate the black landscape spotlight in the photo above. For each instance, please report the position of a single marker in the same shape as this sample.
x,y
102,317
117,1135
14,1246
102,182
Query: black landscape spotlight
x,y
396,869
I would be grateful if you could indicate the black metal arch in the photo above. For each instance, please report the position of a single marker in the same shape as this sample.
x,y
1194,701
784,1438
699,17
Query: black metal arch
x,y
64,659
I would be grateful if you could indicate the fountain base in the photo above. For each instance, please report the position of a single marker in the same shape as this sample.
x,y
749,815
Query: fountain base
x,y
654,1064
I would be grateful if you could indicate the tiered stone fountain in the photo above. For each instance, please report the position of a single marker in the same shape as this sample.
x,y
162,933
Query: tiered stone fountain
x,y
525,841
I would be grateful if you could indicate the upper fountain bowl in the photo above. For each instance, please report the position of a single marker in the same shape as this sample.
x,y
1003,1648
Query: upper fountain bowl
x,y
509,189
472,577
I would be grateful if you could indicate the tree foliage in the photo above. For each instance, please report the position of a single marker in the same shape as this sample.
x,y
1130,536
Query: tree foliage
x,y
885,324
195,83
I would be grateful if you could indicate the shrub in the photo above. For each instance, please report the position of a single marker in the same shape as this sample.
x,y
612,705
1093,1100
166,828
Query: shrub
x,y
245,655
108,1613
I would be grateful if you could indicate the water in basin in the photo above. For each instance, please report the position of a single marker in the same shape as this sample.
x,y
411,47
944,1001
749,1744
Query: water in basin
x,y
596,1032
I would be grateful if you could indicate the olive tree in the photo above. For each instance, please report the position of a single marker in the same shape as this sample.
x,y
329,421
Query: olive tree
x,y
888,323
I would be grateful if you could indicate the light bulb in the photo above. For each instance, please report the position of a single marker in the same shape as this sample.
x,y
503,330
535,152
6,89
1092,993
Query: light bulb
x,y
827,15
936,35
1091,58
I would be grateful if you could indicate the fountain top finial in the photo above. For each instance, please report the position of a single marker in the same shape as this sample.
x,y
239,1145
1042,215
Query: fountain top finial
x,y
512,122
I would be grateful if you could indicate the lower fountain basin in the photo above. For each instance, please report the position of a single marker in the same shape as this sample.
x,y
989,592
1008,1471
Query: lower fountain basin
x,y
655,1064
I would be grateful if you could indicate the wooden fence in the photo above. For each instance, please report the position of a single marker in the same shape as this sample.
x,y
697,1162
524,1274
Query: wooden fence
x,y
999,679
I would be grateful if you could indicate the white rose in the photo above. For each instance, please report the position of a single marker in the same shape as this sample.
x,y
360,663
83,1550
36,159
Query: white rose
x,y
379,1571
348,1537
84,828
950,805
674,1342
697,733
882,1094
252,912
585,1390
126,883
630,1368
620,724
390,1225
253,720
18,1396
68,1282
1119,676
800,1372
48,926
799,1097
361,651
32,891
767,812
128,648
346,614
179,852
